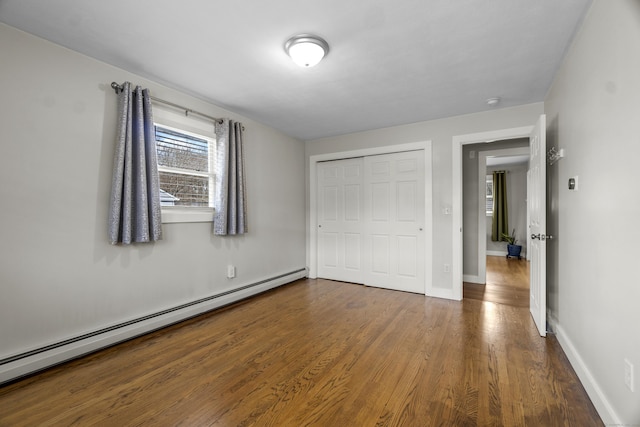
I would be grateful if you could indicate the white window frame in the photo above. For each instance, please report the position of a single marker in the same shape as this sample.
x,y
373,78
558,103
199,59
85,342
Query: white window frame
x,y
489,177
183,214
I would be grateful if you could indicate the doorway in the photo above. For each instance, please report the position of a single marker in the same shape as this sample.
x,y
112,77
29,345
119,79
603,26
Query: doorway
x,y
536,209
457,238
507,282
497,278
514,161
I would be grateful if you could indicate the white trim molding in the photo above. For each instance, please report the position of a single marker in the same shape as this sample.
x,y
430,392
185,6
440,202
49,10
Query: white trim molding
x,y
473,279
597,396
497,253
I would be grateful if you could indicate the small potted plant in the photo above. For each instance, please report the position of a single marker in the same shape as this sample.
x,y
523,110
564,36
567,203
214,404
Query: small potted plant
x,y
513,249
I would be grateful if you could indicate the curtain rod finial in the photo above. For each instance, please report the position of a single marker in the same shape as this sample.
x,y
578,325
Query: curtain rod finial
x,y
116,87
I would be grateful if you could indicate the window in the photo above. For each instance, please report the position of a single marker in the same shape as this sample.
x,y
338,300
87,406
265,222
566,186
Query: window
x,y
186,170
186,147
489,195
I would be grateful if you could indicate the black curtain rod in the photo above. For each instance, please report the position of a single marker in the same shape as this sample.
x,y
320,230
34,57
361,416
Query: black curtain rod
x,y
117,87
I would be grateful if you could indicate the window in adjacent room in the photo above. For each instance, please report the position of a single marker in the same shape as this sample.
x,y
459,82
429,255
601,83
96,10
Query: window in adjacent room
x,y
489,194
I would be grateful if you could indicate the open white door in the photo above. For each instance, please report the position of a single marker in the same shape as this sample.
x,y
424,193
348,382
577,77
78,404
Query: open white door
x,y
538,225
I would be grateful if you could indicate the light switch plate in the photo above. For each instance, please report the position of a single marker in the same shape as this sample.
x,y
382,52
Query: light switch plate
x,y
573,183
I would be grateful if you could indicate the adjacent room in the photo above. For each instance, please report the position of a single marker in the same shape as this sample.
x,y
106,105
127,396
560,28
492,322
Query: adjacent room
x,y
319,213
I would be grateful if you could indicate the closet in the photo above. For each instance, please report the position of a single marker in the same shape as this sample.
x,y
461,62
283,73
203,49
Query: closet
x,y
370,214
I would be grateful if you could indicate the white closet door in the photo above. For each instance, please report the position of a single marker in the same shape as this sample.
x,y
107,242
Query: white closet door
x,y
339,213
394,239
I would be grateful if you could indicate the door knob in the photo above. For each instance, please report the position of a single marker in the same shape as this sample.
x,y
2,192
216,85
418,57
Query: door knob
x,y
541,236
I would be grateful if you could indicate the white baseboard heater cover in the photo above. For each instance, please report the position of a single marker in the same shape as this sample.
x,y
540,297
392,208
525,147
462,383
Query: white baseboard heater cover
x,y
27,363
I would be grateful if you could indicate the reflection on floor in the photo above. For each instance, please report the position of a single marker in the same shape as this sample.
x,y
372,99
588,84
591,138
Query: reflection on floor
x,y
507,282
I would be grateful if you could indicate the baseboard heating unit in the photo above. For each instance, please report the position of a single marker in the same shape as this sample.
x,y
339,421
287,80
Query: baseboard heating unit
x,y
29,362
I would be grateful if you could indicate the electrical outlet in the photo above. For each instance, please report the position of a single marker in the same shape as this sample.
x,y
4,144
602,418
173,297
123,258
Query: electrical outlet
x,y
447,268
231,271
628,374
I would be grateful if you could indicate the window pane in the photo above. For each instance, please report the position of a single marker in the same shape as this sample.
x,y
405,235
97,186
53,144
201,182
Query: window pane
x,y
489,204
178,150
183,190
489,194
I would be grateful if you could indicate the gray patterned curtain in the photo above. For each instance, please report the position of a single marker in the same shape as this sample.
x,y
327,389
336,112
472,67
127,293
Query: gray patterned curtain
x,y
230,195
500,222
134,212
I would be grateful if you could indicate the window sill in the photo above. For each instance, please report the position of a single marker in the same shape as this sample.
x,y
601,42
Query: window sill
x,y
172,215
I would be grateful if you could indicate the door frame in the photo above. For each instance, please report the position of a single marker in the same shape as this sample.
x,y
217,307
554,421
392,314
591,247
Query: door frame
x,y
312,235
482,216
458,142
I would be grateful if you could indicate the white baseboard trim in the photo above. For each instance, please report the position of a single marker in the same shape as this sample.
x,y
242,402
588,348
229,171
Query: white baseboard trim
x,y
27,363
497,253
523,254
440,293
597,396
473,279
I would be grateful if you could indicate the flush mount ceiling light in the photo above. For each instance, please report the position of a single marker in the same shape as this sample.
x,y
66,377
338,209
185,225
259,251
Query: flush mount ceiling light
x,y
492,102
306,50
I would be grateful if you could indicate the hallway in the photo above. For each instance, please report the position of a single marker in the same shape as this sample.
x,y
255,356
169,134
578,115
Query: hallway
x,y
507,283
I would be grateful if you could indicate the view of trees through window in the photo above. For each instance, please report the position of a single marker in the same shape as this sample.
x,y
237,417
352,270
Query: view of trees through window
x,y
489,194
184,165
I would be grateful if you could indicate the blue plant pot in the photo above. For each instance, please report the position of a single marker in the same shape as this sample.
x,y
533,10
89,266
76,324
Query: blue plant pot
x,y
514,251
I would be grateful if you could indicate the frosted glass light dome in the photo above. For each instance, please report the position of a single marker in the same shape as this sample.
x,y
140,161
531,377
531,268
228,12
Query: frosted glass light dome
x,y
306,50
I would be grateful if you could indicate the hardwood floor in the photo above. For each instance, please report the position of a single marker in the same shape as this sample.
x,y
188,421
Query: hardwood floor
x,y
319,353
507,282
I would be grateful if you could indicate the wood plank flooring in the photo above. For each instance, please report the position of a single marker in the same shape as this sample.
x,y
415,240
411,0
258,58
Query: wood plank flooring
x,y
507,282
319,353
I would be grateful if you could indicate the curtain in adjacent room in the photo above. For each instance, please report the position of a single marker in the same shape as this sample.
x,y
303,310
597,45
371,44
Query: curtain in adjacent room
x,y
134,212
230,192
500,210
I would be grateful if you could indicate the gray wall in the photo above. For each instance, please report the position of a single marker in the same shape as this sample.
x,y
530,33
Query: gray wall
x,y
441,133
593,113
59,277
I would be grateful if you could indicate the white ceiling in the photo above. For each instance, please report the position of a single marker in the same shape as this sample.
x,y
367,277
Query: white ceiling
x,y
390,63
